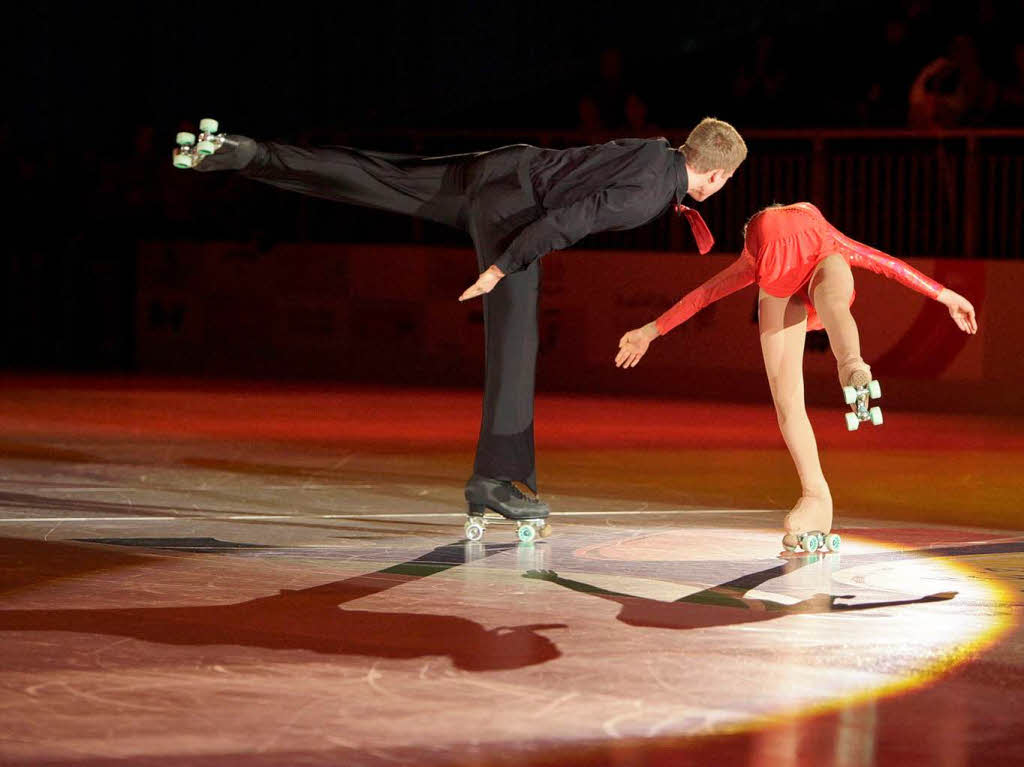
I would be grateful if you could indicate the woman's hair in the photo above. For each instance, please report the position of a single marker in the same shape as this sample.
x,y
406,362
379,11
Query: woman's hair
x,y
714,144
767,207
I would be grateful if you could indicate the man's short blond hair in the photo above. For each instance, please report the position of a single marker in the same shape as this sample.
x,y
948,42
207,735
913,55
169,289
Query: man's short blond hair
x,y
714,144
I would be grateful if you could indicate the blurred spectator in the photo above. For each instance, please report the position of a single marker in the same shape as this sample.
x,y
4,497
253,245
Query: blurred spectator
x,y
760,83
1011,107
889,72
952,91
612,105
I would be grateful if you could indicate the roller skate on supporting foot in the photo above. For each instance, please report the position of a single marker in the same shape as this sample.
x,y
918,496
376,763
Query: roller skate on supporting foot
x,y
504,499
858,395
811,542
233,152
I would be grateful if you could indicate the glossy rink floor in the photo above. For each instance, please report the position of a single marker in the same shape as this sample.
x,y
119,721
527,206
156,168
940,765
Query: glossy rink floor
x,y
264,576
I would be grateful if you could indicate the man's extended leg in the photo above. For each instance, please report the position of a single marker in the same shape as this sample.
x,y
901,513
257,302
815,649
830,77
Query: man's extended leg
x,y
426,187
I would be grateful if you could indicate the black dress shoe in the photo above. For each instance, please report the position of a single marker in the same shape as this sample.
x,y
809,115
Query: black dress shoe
x,y
234,154
502,497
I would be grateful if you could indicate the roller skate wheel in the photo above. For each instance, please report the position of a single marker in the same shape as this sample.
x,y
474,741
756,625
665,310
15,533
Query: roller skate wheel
x,y
876,416
527,533
208,125
206,147
849,394
474,531
184,138
810,543
875,390
852,422
832,541
790,542
183,161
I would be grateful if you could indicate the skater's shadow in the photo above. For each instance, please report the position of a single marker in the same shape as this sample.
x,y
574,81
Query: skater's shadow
x,y
722,605
313,619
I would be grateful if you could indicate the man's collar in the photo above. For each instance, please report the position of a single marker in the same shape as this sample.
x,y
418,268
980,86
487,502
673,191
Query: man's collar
x,y
682,178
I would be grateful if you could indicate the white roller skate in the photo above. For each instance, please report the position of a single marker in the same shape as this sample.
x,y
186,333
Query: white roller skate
x,y
191,151
813,517
858,392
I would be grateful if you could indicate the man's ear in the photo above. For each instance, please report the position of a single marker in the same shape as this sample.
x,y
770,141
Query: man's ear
x,y
716,174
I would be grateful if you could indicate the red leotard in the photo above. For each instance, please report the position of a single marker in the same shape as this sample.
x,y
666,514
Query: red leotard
x,y
782,249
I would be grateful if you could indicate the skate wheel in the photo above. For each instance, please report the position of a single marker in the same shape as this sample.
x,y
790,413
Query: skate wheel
x,y
875,390
206,147
849,394
208,125
876,416
852,422
527,533
182,161
474,531
832,541
810,542
185,139
790,542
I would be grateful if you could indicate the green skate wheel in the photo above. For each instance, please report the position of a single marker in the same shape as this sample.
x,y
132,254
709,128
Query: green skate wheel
x,y
474,530
526,532
185,138
183,161
875,390
876,416
849,394
852,422
208,125
832,541
206,147
810,543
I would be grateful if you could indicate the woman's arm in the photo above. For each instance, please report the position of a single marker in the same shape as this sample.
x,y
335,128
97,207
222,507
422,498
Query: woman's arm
x,y
633,345
866,257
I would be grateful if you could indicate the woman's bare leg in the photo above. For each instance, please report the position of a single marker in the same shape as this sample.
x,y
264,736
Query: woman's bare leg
x,y
830,289
783,329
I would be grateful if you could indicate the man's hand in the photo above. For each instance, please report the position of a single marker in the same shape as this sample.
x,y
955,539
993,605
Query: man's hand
x,y
485,283
960,309
633,345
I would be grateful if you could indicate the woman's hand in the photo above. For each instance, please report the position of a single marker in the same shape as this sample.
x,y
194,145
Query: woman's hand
x,y
485,283
960,309
633,345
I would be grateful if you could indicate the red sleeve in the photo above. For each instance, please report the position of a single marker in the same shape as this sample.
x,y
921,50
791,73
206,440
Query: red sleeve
x,y
737,275
866,257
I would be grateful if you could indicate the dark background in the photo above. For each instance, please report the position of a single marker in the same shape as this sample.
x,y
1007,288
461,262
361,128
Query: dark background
x,y
98,92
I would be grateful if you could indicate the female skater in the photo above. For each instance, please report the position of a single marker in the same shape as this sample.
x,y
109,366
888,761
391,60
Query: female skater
x,y
801,264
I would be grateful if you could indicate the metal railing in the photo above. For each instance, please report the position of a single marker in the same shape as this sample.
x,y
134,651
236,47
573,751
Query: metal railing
x,y
957,193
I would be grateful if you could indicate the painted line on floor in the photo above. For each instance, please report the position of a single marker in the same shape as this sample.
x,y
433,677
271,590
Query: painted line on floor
x,y
409,515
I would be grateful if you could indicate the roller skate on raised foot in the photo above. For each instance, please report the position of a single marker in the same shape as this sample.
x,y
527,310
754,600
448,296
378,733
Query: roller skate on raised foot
x,y
808,526
505,499
857,392
232,152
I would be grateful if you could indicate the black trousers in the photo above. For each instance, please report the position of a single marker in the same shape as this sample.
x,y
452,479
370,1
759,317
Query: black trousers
x,y
488,195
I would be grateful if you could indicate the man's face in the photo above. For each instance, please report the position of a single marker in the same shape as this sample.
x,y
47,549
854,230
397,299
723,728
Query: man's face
x,y
714,181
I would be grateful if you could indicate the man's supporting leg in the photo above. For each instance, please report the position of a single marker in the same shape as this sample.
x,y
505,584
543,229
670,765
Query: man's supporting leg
x,y
505,449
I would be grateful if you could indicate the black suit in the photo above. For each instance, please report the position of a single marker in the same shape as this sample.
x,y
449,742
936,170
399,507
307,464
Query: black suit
x,y
516,203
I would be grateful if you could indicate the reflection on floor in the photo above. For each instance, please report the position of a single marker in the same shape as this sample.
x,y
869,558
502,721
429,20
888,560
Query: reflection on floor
x,y
262,577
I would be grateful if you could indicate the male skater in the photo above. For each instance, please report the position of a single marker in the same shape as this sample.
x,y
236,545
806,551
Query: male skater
x,y
517,203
